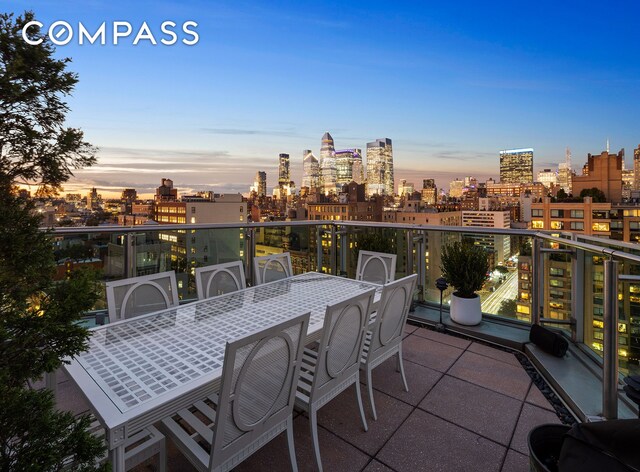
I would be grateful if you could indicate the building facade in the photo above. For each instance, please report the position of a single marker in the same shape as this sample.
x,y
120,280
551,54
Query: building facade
x,y
516,166
349,167
328,172
380,179
310,170
603,172
284,173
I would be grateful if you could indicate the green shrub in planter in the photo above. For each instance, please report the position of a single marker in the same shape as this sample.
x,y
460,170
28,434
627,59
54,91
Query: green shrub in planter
x,y
465,267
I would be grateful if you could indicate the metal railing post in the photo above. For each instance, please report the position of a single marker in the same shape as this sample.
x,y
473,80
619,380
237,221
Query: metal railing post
x,y
537,258
409,241
578,295
333,251
610,341
130,255
319,234
344,243
421,268
250,251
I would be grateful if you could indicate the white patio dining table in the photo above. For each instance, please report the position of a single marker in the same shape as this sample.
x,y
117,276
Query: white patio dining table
x,y
136,372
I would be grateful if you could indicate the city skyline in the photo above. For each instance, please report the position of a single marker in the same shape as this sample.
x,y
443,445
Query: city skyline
x,y
450,85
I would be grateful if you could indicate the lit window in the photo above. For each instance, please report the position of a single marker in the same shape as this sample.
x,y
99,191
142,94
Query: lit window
x,y
556,225
523,309
600,226
193,220
537,224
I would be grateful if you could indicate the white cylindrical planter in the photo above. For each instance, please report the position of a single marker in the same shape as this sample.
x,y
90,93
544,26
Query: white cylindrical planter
x,y
465,311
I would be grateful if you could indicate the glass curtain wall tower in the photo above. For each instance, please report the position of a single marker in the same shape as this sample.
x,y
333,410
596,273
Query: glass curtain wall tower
x,y
311,170
380,167
328,173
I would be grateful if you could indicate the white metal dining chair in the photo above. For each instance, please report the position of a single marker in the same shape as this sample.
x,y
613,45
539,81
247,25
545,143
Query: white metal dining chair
x,y
335,365
272,267
219,279
136,296
384,338
139,447
376,267
255,402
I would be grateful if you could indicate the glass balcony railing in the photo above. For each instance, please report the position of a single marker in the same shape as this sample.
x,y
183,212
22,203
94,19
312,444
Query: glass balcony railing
x,y
556,281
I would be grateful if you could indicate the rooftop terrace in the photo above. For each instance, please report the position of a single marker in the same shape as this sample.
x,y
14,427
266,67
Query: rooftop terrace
x,y
469,407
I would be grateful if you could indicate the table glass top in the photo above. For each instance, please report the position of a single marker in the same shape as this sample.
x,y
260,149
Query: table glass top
x,y
140,359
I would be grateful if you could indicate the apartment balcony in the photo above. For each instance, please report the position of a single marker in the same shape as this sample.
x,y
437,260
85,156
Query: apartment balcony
x,y
474,392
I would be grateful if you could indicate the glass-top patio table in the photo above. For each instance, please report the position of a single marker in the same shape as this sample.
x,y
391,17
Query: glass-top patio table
x,y
136,372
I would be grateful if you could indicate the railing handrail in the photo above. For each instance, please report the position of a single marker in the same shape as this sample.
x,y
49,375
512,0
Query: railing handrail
x,y
268,224
613,253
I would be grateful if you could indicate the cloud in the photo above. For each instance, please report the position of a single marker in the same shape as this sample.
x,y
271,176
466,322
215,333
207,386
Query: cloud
x,y
250,132
460,155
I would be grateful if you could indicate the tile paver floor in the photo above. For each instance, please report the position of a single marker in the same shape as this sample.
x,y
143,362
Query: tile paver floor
x,y
469,408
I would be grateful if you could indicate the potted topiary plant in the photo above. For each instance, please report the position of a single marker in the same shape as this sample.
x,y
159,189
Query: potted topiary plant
x,y
465,267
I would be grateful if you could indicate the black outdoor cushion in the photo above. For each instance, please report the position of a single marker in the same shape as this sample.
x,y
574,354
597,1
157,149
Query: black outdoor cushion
x,y
548,341
610,446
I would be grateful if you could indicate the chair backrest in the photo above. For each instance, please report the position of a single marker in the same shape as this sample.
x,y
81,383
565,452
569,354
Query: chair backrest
x,y
273,267
376,267
259,380
140,295
392,314
340,348
219,279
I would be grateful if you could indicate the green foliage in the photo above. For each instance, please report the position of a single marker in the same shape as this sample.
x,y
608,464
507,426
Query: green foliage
x,y
561,195
465,267
595,193
525,246
508,307
38,317
35,146
381,240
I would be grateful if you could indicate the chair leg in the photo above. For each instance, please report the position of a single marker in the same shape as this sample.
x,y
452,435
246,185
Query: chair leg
x,y
401,364
292,449
162,457
370,388
359,395
313,422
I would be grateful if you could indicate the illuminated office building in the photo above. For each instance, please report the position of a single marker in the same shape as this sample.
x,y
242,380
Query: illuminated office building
x,y
328,173
349,167
311,169
636,168
380,167
455,188
516,166
284,174
260,184
547,177
429,191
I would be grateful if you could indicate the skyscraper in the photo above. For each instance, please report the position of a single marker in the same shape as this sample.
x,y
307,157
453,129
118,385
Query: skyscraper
x,y
349,166
565,174
516,166
429,191
260,183
328,174
380,167
311,169
547,177
284,175
636,168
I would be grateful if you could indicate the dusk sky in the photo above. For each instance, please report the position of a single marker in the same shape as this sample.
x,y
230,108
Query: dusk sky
x,y
451,83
